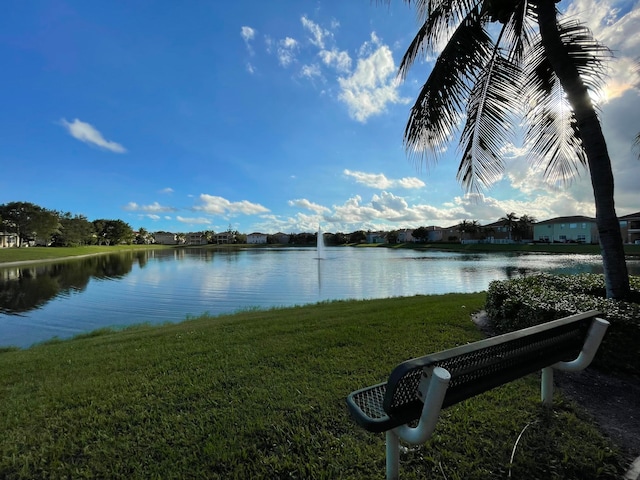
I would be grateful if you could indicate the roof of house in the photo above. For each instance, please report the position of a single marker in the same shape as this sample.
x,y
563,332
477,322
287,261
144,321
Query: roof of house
x,y
630,216
574,218
499,223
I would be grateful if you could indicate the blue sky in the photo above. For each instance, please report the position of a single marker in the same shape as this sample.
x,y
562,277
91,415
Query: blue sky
x,y
266,116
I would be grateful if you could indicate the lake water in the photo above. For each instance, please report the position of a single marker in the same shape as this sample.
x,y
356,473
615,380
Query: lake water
x,y
158,286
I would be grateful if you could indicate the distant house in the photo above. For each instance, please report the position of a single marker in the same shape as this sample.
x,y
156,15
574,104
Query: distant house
x,y
165,238
196,238
450,234
496,232
436,234
257,238
630,227
224,238
376,237
575,229
406,236
8,240
281,238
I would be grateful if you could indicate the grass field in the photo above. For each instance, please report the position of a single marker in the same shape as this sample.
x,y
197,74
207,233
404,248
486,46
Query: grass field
x,y
261,394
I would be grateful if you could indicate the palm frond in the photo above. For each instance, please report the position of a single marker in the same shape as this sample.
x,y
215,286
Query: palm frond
x,y
552,130
589,56
488,128
441,102
439,20
519,32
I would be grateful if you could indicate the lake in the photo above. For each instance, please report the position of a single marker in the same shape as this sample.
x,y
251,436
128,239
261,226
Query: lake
x,y
64,299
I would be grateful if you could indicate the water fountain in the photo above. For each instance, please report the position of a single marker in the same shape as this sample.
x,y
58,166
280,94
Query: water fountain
x,y
320,248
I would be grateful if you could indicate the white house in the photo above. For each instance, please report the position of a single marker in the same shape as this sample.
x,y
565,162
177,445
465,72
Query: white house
x,y
8,240
575,229
166,238
196,238
224,238
376,237
257,238
405,235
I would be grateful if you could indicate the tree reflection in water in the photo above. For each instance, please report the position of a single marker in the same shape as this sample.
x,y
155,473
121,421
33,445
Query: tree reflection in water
x,y
25,288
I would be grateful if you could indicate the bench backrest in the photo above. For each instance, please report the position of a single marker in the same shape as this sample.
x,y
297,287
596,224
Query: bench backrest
x,y
483,365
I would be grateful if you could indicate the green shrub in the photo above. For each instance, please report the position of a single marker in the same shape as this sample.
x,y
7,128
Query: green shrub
x,y
527,301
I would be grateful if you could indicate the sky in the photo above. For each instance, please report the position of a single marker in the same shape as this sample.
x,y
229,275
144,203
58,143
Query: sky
x,y
281,116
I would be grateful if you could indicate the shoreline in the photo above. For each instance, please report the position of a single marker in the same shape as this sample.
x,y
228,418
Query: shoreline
x,y
631,251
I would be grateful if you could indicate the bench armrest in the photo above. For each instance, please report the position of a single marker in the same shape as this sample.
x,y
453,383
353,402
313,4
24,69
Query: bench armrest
x,y
594,337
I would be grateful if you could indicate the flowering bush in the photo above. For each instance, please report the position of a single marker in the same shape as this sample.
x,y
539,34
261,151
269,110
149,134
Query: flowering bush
x,y
527,301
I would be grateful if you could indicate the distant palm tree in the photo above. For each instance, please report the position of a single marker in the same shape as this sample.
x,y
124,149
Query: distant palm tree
x,y
533,66
463,227
509,221
524,227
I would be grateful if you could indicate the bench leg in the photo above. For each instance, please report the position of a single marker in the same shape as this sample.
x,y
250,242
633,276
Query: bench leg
x,y
546,387
393,455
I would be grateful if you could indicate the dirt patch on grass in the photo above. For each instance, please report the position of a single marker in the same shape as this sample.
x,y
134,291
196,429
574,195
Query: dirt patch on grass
x,y
613,400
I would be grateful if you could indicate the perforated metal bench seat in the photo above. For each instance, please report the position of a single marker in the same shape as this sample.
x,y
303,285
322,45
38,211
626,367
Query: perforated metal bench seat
x,y
474,368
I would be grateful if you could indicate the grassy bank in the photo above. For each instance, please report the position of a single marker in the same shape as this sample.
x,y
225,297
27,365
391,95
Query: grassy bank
x,y
34,254
262,395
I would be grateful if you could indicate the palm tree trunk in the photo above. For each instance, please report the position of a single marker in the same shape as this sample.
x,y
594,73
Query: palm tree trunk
x,y
595,146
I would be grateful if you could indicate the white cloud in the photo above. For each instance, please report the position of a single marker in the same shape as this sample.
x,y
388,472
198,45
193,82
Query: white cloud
x,y
318,34
366,91
248,34
616,24
153,216
286,51
289,42
338,59
155,207
373,85
87,133
215,205
379,180
167,190
304,203
194,220
386,211
310,71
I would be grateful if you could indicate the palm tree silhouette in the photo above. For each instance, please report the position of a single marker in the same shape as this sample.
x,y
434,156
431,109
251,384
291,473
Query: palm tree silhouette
x,y
532,67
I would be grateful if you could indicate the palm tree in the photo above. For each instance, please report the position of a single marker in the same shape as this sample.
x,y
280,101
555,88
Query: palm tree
x,y
509,221
505,59
463,228
524,227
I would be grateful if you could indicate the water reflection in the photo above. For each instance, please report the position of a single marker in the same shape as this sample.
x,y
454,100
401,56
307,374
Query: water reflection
x,y
156,286
29,287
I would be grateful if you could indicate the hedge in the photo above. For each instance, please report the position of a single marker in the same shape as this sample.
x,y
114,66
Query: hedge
x,y
527,301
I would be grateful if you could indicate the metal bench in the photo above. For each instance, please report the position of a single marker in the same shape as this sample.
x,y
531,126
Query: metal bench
x,y
419,388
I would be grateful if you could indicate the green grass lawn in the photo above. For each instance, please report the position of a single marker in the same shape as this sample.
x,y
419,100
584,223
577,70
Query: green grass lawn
x,y
261,394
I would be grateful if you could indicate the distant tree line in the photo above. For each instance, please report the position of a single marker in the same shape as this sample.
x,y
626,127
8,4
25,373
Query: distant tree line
x,y
34,224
